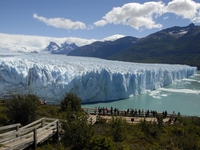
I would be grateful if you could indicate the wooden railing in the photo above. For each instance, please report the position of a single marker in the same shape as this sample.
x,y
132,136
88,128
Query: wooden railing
x,y
31,134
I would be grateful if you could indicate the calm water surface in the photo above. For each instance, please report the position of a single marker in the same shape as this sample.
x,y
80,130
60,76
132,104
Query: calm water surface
x,y
182,96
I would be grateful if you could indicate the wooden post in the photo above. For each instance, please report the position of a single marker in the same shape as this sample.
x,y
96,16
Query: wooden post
x,y
95,111
17,129
35,139
43,122
57,133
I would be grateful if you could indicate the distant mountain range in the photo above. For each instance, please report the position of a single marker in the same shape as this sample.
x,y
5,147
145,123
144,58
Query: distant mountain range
x,y
175,45
64,48
104,49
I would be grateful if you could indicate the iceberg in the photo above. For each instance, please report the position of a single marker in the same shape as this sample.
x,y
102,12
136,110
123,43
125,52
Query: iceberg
x,y
50,77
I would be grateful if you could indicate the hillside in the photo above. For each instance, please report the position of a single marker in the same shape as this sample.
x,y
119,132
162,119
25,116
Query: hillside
x,y
175,45
104,49
166,47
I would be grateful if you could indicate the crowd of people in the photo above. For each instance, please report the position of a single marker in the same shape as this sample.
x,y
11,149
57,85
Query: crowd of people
x,y
132,112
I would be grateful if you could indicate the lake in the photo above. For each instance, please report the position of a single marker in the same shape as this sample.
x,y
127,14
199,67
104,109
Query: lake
x,y
181,96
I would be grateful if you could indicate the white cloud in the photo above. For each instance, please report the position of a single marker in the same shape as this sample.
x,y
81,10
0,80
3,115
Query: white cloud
x,y
134,14
113,37
165,17
144,15
188,9
100,23
61,23
28,43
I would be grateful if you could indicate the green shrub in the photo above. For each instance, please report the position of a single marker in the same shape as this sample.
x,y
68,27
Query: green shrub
x,y
22,108
3,119
71,102
150,128
77,132
3,115
118,129
101,143
48,111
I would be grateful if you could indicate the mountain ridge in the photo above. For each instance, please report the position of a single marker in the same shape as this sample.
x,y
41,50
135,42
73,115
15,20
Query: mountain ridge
x,y
175,45
64,48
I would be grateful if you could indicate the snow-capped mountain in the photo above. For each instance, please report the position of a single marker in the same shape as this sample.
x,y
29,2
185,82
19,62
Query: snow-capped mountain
x,y
18,43
64,48
52,47
179,31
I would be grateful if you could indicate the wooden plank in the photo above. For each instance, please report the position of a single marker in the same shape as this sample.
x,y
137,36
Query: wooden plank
x,y
9,136
4,139
20,143
32,124
24,131
46,134
10,126
20,131
18,138
25,140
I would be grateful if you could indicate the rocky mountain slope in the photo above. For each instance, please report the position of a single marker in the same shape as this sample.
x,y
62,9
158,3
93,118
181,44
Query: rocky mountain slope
x,y
175,45
64,48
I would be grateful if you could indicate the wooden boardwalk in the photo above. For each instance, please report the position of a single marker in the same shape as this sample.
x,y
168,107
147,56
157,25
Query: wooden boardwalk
x,y
32,134
16,138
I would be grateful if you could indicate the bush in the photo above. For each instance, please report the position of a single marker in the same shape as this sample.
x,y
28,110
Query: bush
x,y
48,111
3,115
77,132
22,108
118,129
71,102
101,143
149,128
3,119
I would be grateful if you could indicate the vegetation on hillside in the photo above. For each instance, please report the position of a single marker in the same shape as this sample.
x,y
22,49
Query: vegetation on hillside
x,y
115,134
165,46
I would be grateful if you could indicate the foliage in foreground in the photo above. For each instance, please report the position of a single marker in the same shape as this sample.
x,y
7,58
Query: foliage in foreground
x,y
71,102
115,134
22,108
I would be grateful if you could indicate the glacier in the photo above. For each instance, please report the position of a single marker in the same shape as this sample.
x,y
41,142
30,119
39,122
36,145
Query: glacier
x,y
50,77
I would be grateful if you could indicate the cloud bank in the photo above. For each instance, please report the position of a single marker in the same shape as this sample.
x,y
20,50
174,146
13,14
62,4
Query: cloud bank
x,y
61,23
134,14
28,43
188,9
144,15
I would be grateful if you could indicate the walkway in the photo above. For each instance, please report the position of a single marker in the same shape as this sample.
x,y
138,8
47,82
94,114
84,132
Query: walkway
x,y
31,134
128,117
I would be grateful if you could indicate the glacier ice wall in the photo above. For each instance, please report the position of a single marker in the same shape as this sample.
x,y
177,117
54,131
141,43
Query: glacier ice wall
x,y
92,79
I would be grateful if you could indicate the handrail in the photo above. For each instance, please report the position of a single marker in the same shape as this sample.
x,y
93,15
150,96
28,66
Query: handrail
x,y
10,126
43,127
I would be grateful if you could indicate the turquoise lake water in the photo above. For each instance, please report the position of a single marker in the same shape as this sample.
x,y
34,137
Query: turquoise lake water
x,y
181,96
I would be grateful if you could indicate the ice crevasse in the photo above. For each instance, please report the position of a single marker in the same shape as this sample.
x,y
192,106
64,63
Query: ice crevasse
x,y
52,76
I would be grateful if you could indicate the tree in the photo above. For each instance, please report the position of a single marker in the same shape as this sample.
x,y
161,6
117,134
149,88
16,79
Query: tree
x,y
22,108
149,128
159,118
71,102
77,132
118,129
3,114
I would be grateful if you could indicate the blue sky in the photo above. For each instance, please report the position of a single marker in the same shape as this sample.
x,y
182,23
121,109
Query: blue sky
x,y
95,19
